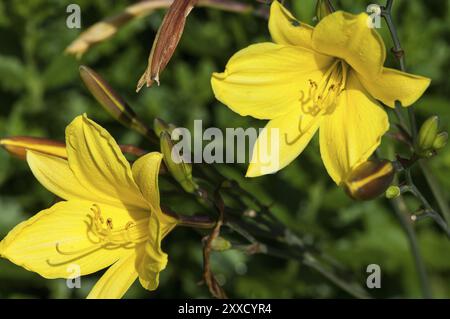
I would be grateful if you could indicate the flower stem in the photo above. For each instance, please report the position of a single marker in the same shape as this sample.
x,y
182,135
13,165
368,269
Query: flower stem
x,y
403,215
429,209
355,291
436,190
399,205
431,180
202,222
300,254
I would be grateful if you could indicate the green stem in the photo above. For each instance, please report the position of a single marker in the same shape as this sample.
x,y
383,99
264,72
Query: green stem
x,y
413,123
429,209
399,54
307,258
310,261
350,288
202,222
402,213
398,51
436,190
399,205
431,180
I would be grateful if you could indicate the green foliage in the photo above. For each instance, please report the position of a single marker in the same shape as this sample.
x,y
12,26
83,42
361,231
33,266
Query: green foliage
x,y
41,92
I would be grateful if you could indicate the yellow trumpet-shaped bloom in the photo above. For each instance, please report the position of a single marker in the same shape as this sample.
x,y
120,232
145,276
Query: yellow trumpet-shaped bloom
x,y
329,77
110,216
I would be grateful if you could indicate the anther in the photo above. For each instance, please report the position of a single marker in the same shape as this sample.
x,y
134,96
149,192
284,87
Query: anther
x,y
129,225
109,223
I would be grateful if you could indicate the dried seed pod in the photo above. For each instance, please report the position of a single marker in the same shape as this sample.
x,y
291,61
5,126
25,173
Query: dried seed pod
x,y
166,41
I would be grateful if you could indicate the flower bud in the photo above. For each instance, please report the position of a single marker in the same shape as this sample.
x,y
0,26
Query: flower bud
x,y
323,8
111,101
160,126
370,179
427,134
19,145
220,244
440,141
180,170
393,192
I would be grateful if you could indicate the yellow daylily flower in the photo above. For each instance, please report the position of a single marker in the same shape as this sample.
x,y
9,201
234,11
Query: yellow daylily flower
x,y
327,77
110,216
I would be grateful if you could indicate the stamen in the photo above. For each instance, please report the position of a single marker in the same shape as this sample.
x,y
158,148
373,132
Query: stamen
x,y
109,223
322,97
102,235
286,140
76,252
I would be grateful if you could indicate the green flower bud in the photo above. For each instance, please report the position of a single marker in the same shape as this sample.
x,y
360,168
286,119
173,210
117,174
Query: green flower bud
x,y
440,141
369,180
220,244
323,8
179,169
427,134
160,126
393,192
110,100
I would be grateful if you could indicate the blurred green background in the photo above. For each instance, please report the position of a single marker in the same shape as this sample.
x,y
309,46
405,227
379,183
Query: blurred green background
x,y
41,92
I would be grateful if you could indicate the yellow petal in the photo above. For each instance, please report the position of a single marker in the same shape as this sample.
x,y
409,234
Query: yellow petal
x,y
152,260
117,279
146,173
350,134
266,80
393,85
53,240
282,140
97,162
348,37
287,30
55,175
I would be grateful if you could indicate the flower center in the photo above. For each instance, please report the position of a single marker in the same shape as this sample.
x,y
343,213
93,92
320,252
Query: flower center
x,y
104,232
103,235
321,98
